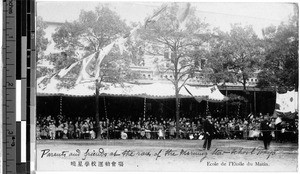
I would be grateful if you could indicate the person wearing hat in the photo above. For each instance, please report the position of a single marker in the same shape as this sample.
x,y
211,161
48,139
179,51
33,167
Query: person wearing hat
x,y
209,130
266,131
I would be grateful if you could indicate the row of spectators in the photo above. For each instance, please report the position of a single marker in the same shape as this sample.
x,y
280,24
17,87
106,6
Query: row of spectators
x,y
62,127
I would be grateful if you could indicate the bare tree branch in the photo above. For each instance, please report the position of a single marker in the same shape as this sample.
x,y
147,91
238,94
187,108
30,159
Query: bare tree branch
x,y
182,75
179,88
182,67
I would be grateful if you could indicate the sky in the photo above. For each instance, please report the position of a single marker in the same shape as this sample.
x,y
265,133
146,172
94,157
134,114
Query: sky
x,y
217,14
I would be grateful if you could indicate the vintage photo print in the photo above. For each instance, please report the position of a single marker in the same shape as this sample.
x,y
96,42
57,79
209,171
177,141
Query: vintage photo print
x,y
166,86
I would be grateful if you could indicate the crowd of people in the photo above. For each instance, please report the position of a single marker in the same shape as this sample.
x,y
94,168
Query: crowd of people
x,y
62,127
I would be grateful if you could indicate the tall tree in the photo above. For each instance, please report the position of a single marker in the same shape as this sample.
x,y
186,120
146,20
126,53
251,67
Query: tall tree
x,y
235,55
92,32
41,41
41,46
89,34
176,36
280,68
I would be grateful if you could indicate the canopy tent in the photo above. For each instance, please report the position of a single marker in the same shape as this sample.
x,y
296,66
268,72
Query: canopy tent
x,y
155,90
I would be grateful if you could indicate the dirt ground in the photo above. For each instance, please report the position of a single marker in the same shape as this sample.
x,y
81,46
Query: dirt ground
x,y
165,155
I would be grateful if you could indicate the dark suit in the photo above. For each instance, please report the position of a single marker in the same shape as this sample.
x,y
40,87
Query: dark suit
x,y
266,131
209,130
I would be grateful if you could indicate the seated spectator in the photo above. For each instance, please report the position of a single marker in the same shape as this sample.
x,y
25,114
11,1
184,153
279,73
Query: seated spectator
x,y
45,132
65,131
85,130
154,131
123,135
231,129
245,130
223,133
59,130
148,132
142,133
93,134
92,130
135,131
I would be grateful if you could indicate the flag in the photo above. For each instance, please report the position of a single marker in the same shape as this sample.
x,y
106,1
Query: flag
x,y
104,51
42,82
287,102
84,75
215,95
121,44
278,120
39,80
182,14
65,70
250,115
156,16
133,33
212,89
198,99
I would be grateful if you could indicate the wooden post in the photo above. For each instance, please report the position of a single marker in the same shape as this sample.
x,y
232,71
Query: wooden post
x,y
60,106
207,108
254,102
145,105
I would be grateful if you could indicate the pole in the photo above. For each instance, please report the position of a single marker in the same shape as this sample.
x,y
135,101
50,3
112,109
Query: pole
x,y
145,104
226,103
207,108
254,103
60,106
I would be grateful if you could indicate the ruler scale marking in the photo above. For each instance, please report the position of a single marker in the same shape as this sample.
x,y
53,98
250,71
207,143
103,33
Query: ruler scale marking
x,y
18,86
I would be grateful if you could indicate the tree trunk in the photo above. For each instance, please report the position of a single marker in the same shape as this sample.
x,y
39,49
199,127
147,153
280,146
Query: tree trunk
x,y
97,116
177,111
246,95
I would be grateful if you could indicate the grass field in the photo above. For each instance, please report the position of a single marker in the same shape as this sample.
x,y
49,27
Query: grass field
x,y
164,155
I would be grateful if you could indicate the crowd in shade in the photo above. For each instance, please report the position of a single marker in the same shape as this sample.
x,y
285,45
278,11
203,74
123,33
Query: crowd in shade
x,y
63,127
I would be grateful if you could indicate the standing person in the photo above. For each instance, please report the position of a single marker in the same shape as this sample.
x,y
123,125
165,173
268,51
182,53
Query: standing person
x,y
77,130
71,130
161,131
266,131
52,130
209,130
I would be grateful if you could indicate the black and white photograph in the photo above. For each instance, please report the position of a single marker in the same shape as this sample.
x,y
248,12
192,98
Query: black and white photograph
x,y
166,86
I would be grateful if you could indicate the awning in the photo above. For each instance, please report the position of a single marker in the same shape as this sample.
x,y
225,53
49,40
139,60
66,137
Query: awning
x,y
155,90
